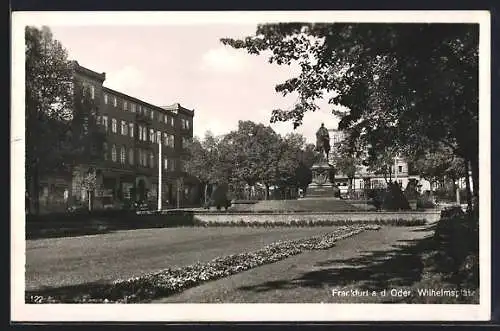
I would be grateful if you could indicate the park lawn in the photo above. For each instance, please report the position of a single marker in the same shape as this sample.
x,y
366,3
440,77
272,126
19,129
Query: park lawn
x,y
372,260
58,262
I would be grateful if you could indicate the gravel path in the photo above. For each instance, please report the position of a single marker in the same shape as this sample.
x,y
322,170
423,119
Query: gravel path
x,y
372,260
58,262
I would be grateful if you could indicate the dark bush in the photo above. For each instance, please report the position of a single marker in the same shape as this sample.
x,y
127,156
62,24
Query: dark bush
x,y
219,198
394,198
425,202
375,197
411,192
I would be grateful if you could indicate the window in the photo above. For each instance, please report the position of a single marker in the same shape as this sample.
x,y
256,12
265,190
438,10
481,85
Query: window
x,y
165,139
131,129
172,141
145,110
144,134
172,165
125,105
113,153
123,155
151,160
187,124
400,168
92,91
166,119
132,107
98,120
152,135
185,142
104,122
131,156
152,114
105,98
172,121
124,128
105,150
139,109
115,102
160,117
158,137
144,158
183,123
85,125
139,155
113,125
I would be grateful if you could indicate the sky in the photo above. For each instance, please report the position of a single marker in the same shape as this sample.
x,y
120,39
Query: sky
x,y
188,64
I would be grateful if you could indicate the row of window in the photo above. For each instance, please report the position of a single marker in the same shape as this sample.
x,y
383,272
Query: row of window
x,y
132,107
136,108
128,129
144,158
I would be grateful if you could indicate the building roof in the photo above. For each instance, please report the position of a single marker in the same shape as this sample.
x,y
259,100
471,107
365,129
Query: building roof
x,y
99,76
176,107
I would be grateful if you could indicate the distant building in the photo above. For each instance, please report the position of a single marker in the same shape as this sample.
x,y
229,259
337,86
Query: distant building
x,y
365,179
128,169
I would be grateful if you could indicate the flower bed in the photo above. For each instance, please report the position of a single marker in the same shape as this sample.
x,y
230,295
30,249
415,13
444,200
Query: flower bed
x,y
311,223
172,280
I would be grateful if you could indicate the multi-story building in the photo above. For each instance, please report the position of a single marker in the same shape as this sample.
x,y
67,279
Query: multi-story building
x,y
364,178
128,169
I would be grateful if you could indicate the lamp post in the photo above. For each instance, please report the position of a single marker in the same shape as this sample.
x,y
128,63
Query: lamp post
x,y
159,175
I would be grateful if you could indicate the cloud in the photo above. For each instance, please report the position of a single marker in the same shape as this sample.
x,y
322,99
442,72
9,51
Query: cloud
x,y
128,79
224,59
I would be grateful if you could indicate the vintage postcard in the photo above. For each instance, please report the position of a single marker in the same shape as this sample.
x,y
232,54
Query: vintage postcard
x,y
250,166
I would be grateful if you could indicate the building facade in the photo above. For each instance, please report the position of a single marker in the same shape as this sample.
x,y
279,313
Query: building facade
x,y
128,169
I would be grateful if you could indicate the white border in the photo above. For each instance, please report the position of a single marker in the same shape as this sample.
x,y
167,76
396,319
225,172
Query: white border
x,y
240,312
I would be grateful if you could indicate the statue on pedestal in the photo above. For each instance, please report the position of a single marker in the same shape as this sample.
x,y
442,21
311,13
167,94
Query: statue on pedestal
x,y
323,142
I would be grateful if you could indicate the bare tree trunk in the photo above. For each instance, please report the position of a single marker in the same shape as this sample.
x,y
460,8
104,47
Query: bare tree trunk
x,y
205,191
457,192
89,196
475,177
467,186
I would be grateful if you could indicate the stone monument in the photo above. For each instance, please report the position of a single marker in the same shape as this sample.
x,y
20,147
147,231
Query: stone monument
x,y
322,171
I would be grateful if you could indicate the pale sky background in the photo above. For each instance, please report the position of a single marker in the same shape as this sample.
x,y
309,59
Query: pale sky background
x,y
188,64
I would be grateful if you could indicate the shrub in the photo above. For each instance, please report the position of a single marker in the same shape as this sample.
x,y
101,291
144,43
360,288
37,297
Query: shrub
x,y
425,202
376,197
411,192
219,198
394,198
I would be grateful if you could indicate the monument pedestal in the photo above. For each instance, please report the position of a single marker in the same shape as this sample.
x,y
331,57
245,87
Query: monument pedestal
x,y
321,187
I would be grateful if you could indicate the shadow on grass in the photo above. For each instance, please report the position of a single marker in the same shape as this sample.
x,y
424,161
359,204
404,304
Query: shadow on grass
x,y
60,233
400,266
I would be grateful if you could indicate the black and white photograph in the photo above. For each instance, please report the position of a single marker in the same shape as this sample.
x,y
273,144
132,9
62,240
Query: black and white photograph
x,y
322,165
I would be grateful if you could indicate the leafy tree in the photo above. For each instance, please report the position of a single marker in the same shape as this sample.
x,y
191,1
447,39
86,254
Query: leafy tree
x,y
303,174
288,162
203,161
61,118
254,150
347,163
436,165
48,104
440,165
408,86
